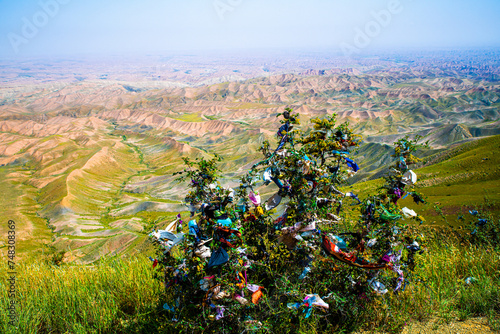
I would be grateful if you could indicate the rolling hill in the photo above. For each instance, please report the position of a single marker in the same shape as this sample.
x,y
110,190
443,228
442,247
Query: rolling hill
x,y
463,177
87,165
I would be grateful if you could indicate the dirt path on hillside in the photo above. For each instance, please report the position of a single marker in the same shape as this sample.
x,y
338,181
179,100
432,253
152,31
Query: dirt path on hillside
x,y
469,326
436,326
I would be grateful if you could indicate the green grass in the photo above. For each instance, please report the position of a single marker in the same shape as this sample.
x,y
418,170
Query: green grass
x,y
188,117
105,298
18,204
443,291
457,180
463,178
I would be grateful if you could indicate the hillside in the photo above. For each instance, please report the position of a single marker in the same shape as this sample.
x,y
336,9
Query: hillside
x,y
88,165
464,177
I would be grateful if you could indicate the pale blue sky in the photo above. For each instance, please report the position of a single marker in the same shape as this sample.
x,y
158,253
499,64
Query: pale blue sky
x,y
155,26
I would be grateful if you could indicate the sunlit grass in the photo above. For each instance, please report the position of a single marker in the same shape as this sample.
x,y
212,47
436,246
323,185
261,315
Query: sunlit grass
x,y
103,298
188,117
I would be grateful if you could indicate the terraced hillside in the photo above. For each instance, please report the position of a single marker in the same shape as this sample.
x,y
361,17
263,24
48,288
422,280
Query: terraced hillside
x,y
87,166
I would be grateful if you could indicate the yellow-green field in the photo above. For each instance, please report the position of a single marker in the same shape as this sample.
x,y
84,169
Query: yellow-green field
x,y
456,181
18,204
188,117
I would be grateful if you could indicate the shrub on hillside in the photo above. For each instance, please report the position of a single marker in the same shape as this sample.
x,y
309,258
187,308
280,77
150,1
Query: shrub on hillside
x,y
310,253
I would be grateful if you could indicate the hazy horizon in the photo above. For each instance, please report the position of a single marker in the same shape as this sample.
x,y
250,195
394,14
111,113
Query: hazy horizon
x,y
68,27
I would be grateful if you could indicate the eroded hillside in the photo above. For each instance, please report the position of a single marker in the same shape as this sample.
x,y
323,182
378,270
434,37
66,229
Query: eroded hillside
x,y
87,165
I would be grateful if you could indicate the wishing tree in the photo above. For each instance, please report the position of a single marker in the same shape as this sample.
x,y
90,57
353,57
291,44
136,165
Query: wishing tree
x,y
310,252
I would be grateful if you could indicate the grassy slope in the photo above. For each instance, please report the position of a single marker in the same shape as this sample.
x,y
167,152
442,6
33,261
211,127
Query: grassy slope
x,y
18,204
456,180
188,117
